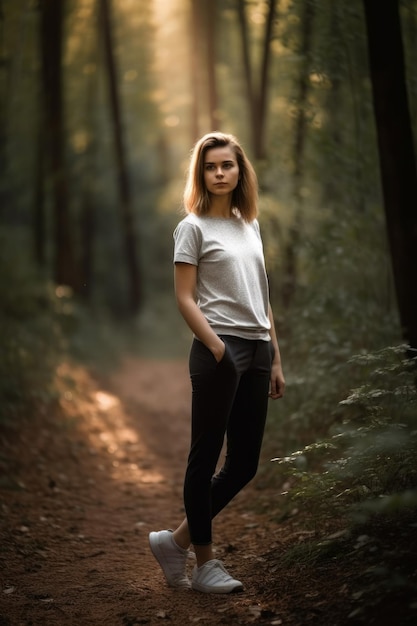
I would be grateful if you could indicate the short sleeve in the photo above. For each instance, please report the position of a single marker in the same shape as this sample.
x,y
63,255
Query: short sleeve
x,y
187,243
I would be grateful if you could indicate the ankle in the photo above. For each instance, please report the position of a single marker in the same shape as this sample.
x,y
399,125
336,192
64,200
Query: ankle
x,y
203,554
180,541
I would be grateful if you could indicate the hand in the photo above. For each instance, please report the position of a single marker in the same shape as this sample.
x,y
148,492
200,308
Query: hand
x,y
277,387
219,350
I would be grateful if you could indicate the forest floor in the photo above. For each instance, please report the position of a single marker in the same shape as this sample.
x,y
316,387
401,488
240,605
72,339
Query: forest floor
x,y
82,486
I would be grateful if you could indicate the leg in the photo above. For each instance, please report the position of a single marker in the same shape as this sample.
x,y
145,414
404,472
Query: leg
x,y
245,430
182,538
214,388
220,402
244,440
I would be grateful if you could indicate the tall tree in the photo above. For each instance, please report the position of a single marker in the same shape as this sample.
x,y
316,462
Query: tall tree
x,y
334,103
196,56
257,93
300,133
128,222
213,97
205,100
3,138
39,218
262,100
247,67
396,153
51,41
88,225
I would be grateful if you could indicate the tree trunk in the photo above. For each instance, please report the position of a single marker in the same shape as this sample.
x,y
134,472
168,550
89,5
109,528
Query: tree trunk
x,y
39,242
410,38
88,212
257,96
122,173
88,228
300,130
396,153
52,12
88,222
210,29
334,107
262,100
203,57
195,60
3,115
247,66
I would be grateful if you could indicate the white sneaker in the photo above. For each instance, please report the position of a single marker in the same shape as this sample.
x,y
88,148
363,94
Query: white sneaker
x,y
171,557
213,577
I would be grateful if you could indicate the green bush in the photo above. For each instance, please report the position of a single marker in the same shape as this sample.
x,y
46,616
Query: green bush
x,y
368,463
364,475
344,305
33,317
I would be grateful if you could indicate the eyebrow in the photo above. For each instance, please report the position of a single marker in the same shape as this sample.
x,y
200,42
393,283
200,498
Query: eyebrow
x,y
223,162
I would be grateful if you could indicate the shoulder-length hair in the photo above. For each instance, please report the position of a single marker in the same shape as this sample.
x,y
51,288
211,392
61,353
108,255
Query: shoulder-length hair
x,y
245,195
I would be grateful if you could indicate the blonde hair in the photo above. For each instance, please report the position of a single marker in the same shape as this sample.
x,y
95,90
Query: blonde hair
x,y
245,195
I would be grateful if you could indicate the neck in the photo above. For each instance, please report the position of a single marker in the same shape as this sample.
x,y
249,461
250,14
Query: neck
x,y
220,206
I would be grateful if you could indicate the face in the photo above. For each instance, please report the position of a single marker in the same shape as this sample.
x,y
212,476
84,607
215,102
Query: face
x,y
221,170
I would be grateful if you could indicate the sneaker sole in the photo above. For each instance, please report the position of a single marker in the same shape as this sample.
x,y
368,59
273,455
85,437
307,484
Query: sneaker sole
x,y
207,589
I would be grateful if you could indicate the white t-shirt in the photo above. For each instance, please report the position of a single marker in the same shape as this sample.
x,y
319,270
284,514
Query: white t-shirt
x,y
232,285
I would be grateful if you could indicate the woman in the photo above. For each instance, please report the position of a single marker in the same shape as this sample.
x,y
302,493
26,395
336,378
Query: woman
x,y
222,292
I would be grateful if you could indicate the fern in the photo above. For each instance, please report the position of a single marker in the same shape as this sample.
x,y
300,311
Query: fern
x,y
369,465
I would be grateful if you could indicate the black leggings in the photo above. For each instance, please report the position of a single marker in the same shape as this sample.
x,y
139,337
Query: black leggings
x,y
227,397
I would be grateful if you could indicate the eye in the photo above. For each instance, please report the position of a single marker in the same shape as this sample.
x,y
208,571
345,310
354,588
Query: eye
x,y
209,167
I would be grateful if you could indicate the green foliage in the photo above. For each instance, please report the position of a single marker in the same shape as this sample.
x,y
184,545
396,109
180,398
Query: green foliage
x,y
32,318
313,551
367,465
364,473
344,305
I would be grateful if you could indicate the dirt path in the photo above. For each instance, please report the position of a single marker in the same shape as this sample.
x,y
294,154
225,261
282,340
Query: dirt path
x,y
86,484
82,486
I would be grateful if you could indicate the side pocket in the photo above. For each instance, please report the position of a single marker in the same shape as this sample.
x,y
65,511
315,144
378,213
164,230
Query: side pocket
x,y
228,359
201,358
224,353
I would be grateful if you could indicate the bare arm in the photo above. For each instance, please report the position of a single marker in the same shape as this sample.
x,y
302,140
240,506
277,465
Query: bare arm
x,y
185,285
277,376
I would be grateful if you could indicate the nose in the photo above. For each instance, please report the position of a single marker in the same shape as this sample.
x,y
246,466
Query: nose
x,y
219,172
